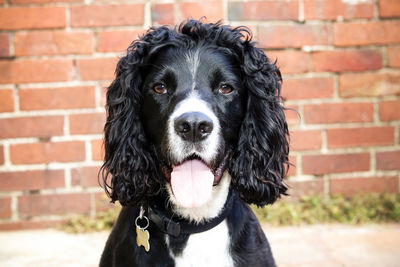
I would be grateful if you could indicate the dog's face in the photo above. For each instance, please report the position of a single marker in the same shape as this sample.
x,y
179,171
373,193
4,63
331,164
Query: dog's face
x,y
189,105
192,109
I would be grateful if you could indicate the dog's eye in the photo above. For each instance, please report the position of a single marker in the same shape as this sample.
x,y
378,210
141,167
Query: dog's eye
x,y
225,89
160,89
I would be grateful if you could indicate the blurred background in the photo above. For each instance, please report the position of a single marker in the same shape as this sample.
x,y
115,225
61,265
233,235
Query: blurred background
x,y
340,61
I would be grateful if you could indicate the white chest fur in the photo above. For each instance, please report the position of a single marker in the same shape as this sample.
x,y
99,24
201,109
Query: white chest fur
x,y
210,248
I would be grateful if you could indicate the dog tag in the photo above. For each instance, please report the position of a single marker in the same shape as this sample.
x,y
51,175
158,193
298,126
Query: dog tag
x,y
142,235
142,238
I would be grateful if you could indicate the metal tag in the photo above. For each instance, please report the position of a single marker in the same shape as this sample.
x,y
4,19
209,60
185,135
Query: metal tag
x,y
142,235
142,238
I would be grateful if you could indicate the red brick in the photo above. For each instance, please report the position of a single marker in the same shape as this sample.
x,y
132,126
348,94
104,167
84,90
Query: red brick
x,y
6,100
299,189
116,41
388,160
47,152
4,45
1,155
389,8
307,88
290,62
53,43
103,92
338,112
36,70
292,115
34,205
277,10
337,9
97,68
16,18
369,84
162,14
358,137
57,98
210,9
24,225
5,208
85,176
292,36
107,15
42,1
305,140
45,126
338,163
389,110
393,55
31,180
92,123
354,186
366,33
348,60
97,150
292,167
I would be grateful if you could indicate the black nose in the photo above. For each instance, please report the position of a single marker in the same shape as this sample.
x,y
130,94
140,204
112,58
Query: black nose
x,y
193,126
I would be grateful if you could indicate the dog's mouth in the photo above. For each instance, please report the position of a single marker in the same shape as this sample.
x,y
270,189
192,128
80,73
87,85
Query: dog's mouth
x,y
192,180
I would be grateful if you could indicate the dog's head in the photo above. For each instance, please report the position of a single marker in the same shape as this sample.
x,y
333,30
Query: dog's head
x,y
188,105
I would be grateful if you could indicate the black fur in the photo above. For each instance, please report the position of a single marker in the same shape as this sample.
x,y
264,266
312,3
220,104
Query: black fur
x,y
258,165
255,138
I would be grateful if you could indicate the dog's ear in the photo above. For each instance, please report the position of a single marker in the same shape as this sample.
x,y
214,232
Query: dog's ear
x,y
259,163
129,173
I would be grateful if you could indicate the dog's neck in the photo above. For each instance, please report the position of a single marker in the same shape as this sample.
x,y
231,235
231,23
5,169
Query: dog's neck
x,y
208,211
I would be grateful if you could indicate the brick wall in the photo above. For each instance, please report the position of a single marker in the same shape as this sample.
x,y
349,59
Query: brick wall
x,y
340,60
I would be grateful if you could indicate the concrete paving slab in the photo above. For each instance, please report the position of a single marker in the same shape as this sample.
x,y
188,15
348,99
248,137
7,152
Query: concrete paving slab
x,y
336,245
48,248
319,245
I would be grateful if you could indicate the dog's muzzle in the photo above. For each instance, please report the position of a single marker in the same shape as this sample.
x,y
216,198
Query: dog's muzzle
x,y
193,142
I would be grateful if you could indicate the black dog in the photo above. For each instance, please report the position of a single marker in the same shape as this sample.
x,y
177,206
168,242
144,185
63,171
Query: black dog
x,y
195,132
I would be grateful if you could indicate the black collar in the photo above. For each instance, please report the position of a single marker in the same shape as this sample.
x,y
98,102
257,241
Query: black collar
x,y
165,222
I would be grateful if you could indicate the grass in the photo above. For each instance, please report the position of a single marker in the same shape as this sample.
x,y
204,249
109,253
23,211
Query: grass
x,y
370,208
82,224
361,209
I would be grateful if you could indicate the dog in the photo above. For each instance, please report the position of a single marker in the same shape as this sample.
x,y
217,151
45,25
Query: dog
x,y
195,132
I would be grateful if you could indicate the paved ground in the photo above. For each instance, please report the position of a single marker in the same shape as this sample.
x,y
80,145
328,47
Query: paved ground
x,y
336,245
321,245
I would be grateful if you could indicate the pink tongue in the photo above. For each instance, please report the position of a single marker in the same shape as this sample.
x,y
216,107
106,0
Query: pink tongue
x,y
192,183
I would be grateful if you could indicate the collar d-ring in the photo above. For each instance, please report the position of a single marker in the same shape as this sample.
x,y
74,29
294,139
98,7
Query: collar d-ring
x,y
141,216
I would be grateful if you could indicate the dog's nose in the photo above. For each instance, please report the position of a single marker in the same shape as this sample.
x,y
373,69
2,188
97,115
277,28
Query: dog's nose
x,y
193,126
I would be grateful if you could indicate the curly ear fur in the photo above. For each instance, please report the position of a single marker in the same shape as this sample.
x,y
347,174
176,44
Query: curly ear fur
x,y
129,159
258,164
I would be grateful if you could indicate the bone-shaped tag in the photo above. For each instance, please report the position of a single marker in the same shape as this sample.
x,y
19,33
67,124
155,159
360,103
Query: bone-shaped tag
x,y
142,238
